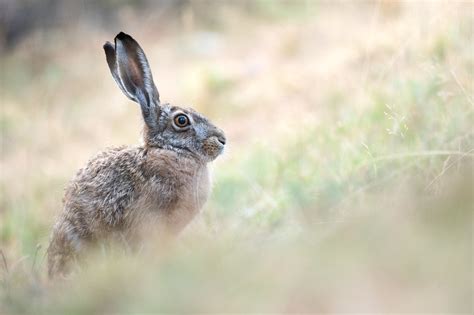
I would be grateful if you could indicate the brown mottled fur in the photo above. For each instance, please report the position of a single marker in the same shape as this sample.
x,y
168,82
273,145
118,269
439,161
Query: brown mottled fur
x,y
163,183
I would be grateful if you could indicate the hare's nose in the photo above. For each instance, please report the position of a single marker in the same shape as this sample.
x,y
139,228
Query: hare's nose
x,y
221,139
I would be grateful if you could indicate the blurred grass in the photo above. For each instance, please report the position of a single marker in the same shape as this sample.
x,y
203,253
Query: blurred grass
x,y
347,186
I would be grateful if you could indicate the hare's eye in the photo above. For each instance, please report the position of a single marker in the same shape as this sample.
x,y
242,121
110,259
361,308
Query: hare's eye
x,y
181,120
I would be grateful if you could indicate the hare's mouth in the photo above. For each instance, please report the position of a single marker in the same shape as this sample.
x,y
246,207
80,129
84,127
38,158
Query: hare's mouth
x,y
214,146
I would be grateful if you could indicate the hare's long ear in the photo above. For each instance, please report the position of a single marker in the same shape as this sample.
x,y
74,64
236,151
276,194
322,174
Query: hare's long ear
x,y
131,71
111,61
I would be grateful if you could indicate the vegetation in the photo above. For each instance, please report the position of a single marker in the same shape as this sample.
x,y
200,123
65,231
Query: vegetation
x,y
347,186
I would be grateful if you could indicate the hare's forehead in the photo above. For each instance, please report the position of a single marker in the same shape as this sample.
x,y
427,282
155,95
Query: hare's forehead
x,y
172,110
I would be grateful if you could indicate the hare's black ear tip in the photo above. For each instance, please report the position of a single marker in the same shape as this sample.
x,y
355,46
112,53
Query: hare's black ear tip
x,y
108,46
122,36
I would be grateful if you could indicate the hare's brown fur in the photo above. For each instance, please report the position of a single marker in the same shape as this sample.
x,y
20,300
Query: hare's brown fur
x,y
122,188
163,183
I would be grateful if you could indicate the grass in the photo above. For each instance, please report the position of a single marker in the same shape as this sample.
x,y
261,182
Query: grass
x,y
347,186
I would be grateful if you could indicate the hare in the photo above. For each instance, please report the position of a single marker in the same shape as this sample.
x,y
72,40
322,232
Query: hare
x,y
165,181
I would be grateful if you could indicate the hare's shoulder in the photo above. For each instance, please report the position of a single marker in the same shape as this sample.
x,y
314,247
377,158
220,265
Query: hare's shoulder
x,y
112,162
107,184
109,174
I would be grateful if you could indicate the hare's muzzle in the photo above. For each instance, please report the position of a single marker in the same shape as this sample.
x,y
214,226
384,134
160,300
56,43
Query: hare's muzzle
x,y
221,139
214,146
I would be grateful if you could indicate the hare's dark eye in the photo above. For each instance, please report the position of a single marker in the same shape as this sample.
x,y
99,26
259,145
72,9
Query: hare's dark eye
x,y
181,120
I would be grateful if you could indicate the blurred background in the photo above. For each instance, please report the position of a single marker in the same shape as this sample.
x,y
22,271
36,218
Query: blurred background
x,y
347,185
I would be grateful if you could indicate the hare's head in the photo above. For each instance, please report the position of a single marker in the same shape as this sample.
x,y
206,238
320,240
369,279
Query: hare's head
x,y
169,127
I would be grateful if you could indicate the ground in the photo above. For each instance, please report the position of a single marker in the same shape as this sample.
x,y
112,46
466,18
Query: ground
x,y
347,185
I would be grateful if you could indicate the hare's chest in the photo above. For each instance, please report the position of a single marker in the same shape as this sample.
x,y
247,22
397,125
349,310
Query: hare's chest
x,y
193,196
173,201
196,191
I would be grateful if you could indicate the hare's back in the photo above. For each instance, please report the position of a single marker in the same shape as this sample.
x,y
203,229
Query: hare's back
x,y
107,185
